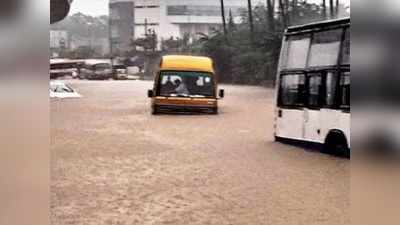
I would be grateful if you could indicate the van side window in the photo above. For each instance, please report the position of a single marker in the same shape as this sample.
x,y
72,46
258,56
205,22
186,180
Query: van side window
x,y
292,90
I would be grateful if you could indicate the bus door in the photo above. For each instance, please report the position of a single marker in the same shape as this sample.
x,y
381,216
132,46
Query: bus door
x,y
337,99
312,111
290,113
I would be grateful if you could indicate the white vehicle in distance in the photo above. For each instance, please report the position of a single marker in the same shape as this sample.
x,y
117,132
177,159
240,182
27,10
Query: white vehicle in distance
x,y
61,90
313,86
64,67
96,69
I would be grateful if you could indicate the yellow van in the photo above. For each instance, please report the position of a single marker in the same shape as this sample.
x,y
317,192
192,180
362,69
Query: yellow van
x,y
185,84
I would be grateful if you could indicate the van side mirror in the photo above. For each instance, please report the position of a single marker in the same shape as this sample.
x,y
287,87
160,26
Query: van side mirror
x,y
221,93
150,93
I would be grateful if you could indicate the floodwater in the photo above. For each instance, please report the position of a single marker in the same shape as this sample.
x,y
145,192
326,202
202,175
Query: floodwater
x,y
115,163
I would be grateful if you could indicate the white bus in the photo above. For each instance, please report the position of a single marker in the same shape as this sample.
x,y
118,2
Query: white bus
x,y
96,69
313,86
64,67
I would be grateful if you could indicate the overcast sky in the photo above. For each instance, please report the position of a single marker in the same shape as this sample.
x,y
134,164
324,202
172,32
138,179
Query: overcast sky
x,y
100,7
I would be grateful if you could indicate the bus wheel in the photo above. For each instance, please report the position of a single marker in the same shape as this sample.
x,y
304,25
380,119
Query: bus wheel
x,y
336,144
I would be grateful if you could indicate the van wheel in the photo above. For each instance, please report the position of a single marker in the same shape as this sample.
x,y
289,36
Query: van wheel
x,y
214,111
336,144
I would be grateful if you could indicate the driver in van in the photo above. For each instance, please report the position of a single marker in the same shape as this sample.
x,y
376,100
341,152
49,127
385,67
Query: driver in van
x,y
181,87
169,85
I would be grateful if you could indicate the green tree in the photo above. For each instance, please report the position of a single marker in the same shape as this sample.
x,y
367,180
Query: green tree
x,y
254,59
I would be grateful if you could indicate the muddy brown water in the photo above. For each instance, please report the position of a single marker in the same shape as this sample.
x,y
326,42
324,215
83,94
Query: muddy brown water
x,y
114,163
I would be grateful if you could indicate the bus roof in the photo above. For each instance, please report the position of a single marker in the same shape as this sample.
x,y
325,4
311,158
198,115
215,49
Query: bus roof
x,y
318,25
62,61
97,61
186,63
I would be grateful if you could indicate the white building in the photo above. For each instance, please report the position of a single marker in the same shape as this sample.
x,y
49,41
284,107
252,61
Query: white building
x,y
174,18
167,18
121,25
59,39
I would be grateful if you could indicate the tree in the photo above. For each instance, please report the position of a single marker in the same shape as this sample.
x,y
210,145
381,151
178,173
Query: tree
x,y
231,22
251,22
283,13
252,57
270,14
331,9
177,45
337,8
324,9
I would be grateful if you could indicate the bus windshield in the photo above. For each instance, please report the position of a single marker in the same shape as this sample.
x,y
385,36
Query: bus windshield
x,y
186,84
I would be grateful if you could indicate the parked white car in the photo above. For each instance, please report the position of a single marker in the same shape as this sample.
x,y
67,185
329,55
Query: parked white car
x,y
61,90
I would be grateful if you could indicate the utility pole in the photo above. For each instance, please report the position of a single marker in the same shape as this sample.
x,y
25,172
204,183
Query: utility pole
x,y
223,17
270,15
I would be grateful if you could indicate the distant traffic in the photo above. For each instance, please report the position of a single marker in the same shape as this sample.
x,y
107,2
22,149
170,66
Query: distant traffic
x,y
92,69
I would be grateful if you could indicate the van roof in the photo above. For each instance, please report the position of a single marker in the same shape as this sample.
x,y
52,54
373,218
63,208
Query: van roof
x,y
186,63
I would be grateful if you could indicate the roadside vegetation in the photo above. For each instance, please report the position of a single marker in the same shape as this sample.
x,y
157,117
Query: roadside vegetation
x,y
248,52
245,50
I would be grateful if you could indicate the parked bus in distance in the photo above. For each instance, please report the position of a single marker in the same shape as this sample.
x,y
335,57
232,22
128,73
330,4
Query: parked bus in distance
x,y
96,69
64,67
185,84
313,86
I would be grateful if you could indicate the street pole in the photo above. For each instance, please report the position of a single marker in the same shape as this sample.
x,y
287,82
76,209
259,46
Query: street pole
x,y
223,17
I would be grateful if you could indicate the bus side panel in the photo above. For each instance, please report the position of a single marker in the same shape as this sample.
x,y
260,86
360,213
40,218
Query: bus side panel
x,y
335,120
312,125
289,123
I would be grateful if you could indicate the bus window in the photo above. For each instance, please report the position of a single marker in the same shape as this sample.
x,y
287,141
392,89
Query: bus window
x,y
297,51
330,95
292,90
345,90
325,48
314,90
346,48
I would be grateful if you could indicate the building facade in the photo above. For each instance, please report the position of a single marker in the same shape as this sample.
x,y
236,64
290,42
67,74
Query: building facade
x,y
59,39
176,18
121,25
169,18
59,42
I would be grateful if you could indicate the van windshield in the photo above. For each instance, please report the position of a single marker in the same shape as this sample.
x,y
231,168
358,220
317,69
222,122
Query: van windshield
x,y
186,84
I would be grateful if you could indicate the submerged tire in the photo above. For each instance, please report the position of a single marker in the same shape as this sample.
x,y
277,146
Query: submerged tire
x,y
336,144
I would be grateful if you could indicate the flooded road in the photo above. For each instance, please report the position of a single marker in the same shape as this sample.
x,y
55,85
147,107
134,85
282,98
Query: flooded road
x,y
115,163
